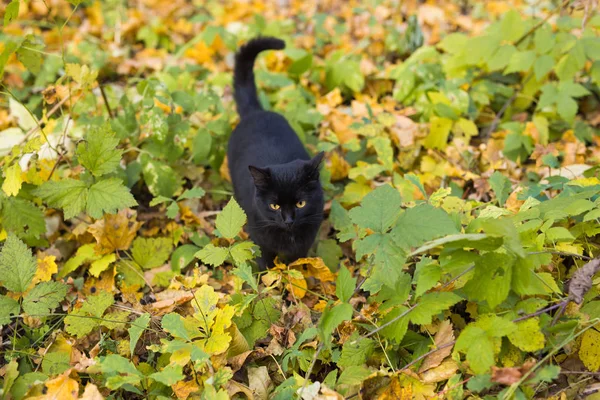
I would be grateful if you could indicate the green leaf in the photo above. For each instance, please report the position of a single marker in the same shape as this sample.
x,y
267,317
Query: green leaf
x,y
559,234
17,265
353,375
160,178
68,194
439,130
432,304
301,65
491,281
213,255
183,256
8,308
195,193
566,68
501,57
22,217
478,347
107,197
25,382
356,351
30,54
82,321
345,284
170,375
427,274
511,26
231,220
242,252
11,12
397,329
528,336
543,64
151,252
378,210
520,62
331,318
178,327
244,272
420,224
99,153
44,298
9,48
136,329
115,366
501,186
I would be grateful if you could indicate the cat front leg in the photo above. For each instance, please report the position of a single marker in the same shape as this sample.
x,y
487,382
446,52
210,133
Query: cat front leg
x,y
266,259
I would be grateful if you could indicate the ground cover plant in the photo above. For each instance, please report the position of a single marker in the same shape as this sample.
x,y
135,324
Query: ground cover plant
x,y
459,254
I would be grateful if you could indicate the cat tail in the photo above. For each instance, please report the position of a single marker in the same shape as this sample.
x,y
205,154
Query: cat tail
x,y
244,87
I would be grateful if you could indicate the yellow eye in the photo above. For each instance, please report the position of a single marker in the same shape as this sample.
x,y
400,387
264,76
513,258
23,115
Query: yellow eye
x,y
274,206
301,204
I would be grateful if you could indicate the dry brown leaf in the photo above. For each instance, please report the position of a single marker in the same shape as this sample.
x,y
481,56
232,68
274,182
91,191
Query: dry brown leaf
x,y
444,336
91,392
444,371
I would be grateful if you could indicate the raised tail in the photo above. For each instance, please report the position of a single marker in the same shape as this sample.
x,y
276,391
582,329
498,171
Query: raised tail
x,y
244,87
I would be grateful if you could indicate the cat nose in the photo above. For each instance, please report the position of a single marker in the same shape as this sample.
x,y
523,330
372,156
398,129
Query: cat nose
x,y
288,220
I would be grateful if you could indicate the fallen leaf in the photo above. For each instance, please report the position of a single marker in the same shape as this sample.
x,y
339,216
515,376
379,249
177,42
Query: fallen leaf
x,y
115,231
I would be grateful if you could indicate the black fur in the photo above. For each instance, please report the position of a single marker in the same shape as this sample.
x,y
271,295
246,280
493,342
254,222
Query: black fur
x,y
269,165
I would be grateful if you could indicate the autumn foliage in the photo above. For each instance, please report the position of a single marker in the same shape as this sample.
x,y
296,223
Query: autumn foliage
x,y
458,258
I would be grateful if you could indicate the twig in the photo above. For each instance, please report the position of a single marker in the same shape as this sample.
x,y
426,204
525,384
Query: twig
x,y
543,310
561,253
500,113
438,348
110,114
389,322
312,365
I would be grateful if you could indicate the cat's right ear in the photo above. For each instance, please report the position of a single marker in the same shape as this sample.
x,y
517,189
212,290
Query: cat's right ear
x,y
262,177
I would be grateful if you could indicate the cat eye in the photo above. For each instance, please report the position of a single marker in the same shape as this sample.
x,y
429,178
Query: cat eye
x,y
301,204
274,206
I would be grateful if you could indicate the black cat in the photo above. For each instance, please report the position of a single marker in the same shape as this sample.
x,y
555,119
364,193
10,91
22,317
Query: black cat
x,y
274,179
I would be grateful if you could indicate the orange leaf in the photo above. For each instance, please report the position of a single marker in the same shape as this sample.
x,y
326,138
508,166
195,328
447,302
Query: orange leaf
x,y
115,232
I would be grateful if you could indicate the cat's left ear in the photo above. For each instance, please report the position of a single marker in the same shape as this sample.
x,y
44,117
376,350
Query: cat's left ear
x,y
313,166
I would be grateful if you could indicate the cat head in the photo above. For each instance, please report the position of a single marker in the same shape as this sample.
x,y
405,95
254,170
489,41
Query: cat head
x,y
289,195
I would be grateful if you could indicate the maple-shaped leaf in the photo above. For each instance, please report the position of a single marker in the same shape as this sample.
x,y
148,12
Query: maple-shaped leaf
x,y
213,255
378,210
44,298
137,328
68,194
113,232
107,197
99,153
8,308
231,219
169,375
21,217
17,265
151,252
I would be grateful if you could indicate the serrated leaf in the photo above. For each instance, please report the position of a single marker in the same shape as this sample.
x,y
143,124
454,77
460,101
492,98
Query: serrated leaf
x,y
501,186
29,53
432,304
107,197
478,347
115,366
150,253
81,74
439,130
353,375
345,284
136,329
183,256
102,264
356,352
244,272
194,193
231,219
177,327
82,321
8,308
520,62
420,224
242,252
170,375
427,274
213,255
397,329
528,336
12,180
67,194
331,318
11,12
492,278
22,217
378,210
99,153
44,298
161,179
17,265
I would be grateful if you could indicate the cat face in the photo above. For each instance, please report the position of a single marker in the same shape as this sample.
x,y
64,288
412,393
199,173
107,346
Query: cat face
x,y
289,195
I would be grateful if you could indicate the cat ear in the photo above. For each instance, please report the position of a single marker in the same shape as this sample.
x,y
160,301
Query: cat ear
x,y
312,167
261,176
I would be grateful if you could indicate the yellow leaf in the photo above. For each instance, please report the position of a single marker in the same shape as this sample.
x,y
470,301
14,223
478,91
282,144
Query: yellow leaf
x,y
316,268
183,389
338,166
45,268
583,182
223,319
217,343
589,352
61,387
205,303
91,392
102,264
13,180
114,232
297,286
